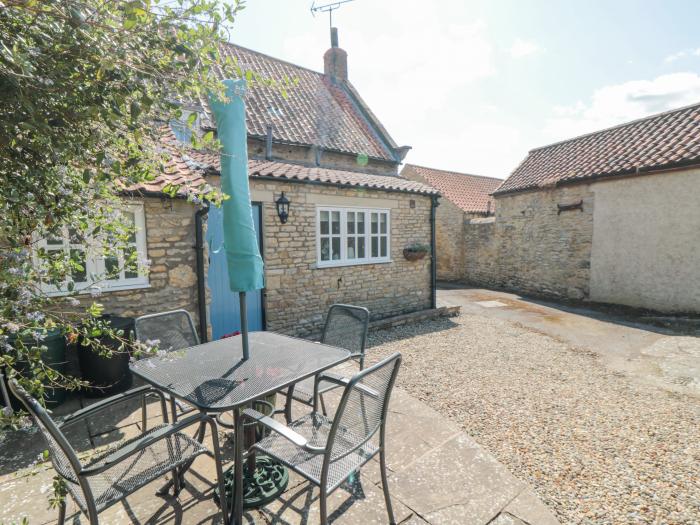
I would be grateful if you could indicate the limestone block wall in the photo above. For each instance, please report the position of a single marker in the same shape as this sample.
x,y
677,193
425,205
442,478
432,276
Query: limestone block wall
x,y
531,247
172,278
298,293
449,238
327,159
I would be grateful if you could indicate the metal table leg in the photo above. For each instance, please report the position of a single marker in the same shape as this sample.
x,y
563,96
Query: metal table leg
x,y
237,508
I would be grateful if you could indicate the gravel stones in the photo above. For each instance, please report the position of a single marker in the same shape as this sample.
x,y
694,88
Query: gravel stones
x,y
596,446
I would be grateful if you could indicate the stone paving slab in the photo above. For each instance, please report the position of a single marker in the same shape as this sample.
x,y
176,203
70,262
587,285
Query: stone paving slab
x,y
437,475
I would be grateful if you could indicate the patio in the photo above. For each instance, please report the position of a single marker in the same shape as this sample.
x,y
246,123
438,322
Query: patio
x,y
438,475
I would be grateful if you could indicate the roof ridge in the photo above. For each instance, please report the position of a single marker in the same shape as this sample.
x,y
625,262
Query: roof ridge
x,y
617,126
274,58
453,172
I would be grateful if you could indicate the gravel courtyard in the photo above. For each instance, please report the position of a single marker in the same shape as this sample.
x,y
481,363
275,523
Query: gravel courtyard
x,y
597,446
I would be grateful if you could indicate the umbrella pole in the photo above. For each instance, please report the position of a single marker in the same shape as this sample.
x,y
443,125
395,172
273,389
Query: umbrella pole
x,y
244,324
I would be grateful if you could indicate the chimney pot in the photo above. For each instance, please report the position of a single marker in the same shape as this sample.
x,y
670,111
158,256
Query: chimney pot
x,y
335,60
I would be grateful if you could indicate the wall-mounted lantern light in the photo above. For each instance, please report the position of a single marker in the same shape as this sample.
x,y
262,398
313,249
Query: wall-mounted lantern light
x,y
282,208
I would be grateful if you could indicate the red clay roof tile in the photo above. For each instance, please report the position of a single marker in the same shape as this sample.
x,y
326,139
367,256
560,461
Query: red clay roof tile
x,y
657,142
468,192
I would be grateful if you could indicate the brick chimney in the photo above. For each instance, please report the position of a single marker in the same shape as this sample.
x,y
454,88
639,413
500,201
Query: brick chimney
x,y
335,60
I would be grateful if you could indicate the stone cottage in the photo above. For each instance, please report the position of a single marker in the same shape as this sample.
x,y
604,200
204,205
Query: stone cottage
x,y
350,214
611,216
464,197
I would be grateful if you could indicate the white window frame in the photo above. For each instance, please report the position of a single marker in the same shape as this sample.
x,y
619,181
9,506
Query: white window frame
x,y
95,264
344,260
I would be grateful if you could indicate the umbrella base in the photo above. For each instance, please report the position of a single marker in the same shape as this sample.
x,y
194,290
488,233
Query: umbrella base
x,y
263,485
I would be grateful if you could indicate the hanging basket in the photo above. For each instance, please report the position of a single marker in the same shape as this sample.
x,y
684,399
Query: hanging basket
x,y
413,255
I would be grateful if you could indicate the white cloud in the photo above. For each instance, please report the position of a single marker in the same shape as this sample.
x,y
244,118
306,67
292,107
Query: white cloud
x,y
684,53
616,104
416,68
522,48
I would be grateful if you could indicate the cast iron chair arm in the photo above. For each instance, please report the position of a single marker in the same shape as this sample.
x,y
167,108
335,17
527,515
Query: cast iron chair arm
x,y
146,441
105,403
283,430
344,381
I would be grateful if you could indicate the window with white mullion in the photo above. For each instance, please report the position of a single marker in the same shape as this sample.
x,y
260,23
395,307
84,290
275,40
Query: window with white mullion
x,y
330,235
356,236
379,235
114,269
351,240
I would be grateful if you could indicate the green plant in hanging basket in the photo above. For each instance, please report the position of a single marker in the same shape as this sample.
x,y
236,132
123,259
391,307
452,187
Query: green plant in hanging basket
x,y
414,252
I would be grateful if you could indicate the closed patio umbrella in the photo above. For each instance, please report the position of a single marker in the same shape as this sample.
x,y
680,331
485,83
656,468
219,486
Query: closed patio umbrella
x,y
245,265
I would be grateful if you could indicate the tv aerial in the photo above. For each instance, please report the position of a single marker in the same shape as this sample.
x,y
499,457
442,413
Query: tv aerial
x,y
327,8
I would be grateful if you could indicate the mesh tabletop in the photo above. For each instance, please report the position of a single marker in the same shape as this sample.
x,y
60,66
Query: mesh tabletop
x,y
214,377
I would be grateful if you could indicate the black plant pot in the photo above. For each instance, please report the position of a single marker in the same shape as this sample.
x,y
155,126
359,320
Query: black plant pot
x,y
107,375
54,356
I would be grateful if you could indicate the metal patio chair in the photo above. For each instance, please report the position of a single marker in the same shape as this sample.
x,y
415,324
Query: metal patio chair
x,y
326,451
173,330
117,473
346,327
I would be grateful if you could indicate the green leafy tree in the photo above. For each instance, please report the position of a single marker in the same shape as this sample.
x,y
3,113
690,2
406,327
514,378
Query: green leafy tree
x,y
86,86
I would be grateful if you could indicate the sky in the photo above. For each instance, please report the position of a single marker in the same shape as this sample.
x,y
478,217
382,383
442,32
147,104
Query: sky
x,y
472,86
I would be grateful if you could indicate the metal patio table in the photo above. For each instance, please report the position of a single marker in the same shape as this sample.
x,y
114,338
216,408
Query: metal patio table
x,y
214,378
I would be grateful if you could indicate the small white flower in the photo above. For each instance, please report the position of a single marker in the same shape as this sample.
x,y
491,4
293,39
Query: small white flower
x,y
73,301
95,291
6,411
11,327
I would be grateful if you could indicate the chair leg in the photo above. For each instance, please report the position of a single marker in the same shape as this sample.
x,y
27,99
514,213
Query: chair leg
x,y
173,409
385,486
324,509
323,405
144,414
62,512
288,405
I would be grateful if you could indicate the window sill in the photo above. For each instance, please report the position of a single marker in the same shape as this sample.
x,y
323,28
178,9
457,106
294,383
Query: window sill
x,y
103,290
321,266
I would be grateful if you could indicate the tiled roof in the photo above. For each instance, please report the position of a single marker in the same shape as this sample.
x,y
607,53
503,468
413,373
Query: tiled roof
x,y
314,111
663,141
188,167
297,172
180,170
468,192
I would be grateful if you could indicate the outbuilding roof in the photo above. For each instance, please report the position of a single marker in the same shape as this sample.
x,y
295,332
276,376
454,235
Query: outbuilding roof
x,y
663,141
471,193
187,168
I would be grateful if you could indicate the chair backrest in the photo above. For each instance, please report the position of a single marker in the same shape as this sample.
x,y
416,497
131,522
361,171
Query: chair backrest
x,y
172,330
346,327
62,454
363,408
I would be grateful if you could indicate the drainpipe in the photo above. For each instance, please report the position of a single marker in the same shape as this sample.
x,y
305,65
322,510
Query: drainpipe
x,y
433,249
199,251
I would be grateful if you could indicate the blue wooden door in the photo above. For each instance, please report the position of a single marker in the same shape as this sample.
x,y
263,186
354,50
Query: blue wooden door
x,y
224,311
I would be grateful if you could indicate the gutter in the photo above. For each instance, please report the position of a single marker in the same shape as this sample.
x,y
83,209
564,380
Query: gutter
x,y
613,175
199,253
433,251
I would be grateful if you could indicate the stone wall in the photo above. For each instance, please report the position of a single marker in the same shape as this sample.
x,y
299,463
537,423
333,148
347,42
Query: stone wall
x,y
298,293
326,159
172,279
449,233
530,247
449,238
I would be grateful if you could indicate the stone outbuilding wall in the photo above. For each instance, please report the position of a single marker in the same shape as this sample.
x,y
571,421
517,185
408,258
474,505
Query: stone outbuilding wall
x,y
531,247
170,238
298,293
635,242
